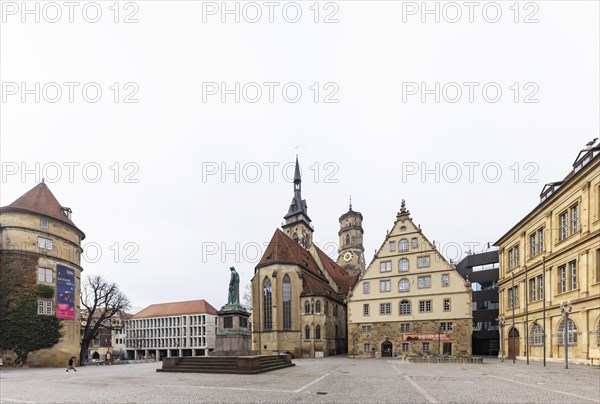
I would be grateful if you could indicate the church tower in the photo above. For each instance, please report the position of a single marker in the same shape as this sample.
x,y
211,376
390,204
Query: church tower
x,y
297,223
351,251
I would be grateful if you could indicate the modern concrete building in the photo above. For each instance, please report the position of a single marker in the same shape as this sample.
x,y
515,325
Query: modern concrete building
x,y
298,292
482,271
410,300
549,259
39,240
171,329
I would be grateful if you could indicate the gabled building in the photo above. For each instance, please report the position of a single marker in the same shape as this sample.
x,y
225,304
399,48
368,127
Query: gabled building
x,y
40,242
410,300
550,258
298,291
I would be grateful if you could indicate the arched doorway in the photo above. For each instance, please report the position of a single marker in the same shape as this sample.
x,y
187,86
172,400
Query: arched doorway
x,y
513,343
386,349
95,355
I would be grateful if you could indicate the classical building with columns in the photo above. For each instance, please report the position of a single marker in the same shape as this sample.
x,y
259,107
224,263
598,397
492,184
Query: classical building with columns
x,y
40,242
298,292
171,329
552,256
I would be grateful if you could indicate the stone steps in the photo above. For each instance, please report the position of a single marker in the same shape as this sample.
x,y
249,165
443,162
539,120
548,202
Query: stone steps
x,y
226,364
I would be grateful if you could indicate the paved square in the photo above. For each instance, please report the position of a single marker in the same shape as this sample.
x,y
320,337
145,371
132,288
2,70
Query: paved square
x,y
328,380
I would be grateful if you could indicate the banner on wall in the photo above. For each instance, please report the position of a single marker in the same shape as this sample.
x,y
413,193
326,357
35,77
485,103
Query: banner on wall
x,y
65,293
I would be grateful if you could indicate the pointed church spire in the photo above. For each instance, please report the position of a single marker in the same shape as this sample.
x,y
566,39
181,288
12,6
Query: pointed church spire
x,y
350,208
298,205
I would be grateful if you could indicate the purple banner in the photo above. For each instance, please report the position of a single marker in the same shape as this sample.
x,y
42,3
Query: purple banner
x,y
65,293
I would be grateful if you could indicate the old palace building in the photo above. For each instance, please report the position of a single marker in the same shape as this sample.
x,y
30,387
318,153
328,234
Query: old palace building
x,y
550,258
410,300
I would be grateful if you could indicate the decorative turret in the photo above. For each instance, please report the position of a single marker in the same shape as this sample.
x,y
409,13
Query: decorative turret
x,y
351,250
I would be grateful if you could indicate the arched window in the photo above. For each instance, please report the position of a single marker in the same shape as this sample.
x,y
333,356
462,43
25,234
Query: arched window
x,y
536,335
335,310
318,332
326,311
267,304
295,237
403,285
318,307
347,239
287,303
307,332
405,307
403,265
307,307
336,331
403,245
571,333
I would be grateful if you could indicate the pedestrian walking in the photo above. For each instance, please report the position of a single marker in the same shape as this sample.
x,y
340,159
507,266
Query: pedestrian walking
x,y
71,364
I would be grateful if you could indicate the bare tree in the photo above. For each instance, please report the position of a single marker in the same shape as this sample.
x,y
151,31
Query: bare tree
x,y
103,302
247,298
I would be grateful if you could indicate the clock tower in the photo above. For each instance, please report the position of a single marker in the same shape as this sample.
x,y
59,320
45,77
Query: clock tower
x,y
351,251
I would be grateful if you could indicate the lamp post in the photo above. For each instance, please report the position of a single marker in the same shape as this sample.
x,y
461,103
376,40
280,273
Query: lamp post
x,y
514,300
502,322
565,309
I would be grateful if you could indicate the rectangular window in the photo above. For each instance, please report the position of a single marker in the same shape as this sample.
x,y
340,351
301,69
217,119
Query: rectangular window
x,y
404,327
45,307
385,266
385,285
446,326
366,328
574,219
562,278
423,262
385,308
532,245
366,309
540,282
367,348
405,347
45,243
425,346
44,275
573,274
563,231
44,223
540,240
446,304
445,279
392,246
366,288
424,282
513,297
532,290
425,306
414,242
40,307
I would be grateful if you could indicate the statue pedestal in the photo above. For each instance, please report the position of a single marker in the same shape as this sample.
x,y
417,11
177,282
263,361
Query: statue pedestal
x,y
234,336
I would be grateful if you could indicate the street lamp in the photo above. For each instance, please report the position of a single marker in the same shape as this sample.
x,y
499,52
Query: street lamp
x,y
565,309
502,322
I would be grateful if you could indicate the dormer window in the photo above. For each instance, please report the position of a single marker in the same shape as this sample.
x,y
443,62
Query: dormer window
x,y
66,211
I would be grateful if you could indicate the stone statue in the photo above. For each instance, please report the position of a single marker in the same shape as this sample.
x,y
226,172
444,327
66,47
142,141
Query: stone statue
x,y
233,299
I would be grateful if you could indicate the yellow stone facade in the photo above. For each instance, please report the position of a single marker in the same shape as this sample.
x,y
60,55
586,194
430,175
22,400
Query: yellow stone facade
x,y
410,300
19,234
557,242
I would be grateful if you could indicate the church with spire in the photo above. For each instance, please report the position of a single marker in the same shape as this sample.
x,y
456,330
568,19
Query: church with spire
x,y
299,293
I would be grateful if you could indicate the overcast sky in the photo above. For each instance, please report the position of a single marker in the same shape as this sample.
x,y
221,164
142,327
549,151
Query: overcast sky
x,y
180,220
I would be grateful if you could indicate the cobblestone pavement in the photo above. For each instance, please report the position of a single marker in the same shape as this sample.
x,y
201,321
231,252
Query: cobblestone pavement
x,y
328,380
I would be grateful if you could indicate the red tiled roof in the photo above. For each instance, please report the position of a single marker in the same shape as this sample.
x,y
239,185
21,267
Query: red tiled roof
x,y
341,277
283,250
40,199
176,309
